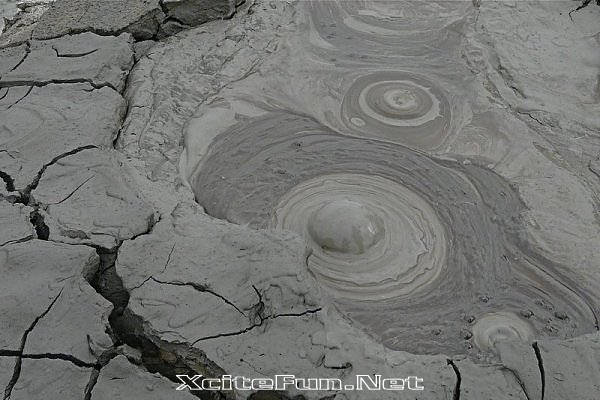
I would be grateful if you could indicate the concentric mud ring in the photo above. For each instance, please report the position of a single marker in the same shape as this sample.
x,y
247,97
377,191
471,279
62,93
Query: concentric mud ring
x,y
397,106
371,238
501,326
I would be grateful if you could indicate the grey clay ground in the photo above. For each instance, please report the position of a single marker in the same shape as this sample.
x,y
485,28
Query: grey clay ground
x,y
161,163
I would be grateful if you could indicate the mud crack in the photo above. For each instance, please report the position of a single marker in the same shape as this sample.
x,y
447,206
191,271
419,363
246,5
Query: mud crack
x,y
58,82
257,310
200,288
584,4
158,356
538,355
26,193
456,393
20,98
517,377
27,52
17,368
48,356
9,182
37,220
73,55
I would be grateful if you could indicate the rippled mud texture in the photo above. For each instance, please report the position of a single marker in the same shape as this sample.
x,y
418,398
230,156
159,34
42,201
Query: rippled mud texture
x,y
425,247
380,30
371,238
502,326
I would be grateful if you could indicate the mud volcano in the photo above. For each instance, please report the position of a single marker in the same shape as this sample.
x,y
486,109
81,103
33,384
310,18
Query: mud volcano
x,y
371,238
496,327
411,248
313,189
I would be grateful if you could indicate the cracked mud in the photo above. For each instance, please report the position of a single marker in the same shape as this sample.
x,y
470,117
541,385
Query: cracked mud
x,y
318,188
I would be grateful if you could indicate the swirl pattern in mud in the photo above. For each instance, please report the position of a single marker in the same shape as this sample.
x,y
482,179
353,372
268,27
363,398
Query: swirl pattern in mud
x,y
426,247
377,29
399,107
371,238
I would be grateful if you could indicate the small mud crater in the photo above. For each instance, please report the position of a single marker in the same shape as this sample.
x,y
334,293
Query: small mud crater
x,y
399,107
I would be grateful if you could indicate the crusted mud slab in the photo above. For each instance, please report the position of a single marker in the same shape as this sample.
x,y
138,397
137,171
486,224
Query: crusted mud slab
x,y
318,188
